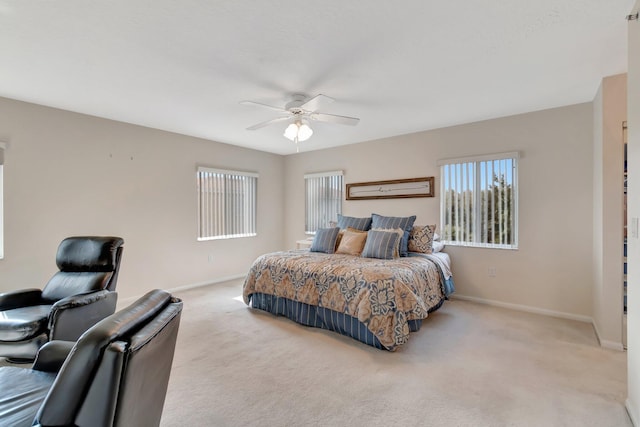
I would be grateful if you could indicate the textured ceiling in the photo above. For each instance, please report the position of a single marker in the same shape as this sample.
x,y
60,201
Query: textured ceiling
x,y
401,67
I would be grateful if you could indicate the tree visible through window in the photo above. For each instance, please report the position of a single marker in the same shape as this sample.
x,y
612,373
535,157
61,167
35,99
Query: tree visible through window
x,y
478,201
227,203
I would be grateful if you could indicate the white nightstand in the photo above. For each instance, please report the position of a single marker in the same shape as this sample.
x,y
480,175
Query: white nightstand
x,y
303,244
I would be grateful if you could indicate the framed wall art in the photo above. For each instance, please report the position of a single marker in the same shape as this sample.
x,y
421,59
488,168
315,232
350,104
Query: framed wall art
x,y
392,189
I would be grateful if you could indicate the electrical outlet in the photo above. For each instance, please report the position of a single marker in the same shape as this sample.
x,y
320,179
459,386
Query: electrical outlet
x,y
210,257
491,271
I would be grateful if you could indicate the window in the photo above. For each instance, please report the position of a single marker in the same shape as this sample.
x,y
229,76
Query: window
x,y
479,201
323,198
226,204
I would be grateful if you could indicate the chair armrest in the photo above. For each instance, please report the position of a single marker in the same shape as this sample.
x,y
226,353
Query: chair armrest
x,y
72,316
52,355
80,300
20,298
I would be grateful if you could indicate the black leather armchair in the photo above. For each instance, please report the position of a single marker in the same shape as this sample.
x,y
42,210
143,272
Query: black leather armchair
x,y
74,299
116,374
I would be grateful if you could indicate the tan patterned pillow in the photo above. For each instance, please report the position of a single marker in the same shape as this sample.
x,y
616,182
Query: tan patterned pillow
x,y
352,242
340,233
421,238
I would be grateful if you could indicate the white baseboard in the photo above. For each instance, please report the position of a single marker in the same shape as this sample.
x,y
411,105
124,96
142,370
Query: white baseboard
x,y
633,413
611,345
126,301
525,308
605,343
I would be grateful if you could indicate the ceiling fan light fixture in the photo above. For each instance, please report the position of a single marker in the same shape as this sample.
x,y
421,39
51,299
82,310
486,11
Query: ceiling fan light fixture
x,y
298,130
304,132
291,131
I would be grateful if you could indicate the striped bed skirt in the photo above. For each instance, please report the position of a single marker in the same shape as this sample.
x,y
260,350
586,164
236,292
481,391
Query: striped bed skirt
x,y
320,317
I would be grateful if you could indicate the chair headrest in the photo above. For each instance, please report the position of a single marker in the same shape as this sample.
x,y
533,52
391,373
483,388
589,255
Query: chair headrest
x,y
88,253
128,320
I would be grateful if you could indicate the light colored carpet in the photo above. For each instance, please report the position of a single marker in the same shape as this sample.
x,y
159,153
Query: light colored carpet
x,y
469,365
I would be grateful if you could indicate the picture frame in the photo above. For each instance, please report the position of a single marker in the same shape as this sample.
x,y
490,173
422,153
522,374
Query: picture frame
x,y
391,189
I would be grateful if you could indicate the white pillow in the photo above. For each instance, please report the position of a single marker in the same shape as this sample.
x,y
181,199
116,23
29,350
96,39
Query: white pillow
x,y
438,246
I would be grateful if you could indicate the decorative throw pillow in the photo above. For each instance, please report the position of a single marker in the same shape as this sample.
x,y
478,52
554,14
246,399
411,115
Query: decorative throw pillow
x,y
339,238
363,224
380,244
352,242
405,223
421,239
438,246
400,232
325,240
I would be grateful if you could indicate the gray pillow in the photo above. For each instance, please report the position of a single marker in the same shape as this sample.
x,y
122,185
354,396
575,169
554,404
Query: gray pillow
x,y
325,240
363,224
405,223
380,244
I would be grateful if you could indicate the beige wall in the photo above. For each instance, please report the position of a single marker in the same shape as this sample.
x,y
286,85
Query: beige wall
x,y
72,174
610,111
633,211
551,270
87,175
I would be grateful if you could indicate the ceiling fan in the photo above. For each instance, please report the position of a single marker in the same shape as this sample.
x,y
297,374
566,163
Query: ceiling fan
x,y
299,111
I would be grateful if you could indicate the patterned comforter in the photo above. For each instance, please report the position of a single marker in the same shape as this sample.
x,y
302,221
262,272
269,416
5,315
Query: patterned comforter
x,y
384,295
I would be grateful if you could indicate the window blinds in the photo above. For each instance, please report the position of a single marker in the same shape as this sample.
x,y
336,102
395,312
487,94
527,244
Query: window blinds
x,y
323,199
479,201
226,203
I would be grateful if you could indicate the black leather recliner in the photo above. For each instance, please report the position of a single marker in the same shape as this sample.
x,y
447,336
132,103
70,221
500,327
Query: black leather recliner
x,y
74,299
116,374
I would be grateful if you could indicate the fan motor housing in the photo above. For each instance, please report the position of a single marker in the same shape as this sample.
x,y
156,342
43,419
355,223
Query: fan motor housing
x,y
297,99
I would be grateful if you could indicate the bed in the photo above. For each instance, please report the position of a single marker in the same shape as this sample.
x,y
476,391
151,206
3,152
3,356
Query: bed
x,y
376,301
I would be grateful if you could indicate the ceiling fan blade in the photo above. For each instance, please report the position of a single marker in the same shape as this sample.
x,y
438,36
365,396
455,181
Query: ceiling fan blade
x,y
258,104
332,118
316,103
269,122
